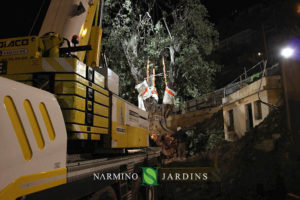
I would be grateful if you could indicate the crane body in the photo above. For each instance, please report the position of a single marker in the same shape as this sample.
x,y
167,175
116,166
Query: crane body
x,y
59,108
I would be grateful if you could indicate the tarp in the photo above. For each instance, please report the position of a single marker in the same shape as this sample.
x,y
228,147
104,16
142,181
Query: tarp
x,y
144,93
169,96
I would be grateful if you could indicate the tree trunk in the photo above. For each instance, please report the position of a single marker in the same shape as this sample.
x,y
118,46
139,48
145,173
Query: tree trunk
x,y
130,51
158,113
160,133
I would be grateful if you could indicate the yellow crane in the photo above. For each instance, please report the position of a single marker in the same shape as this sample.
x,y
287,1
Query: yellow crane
x,y
77,111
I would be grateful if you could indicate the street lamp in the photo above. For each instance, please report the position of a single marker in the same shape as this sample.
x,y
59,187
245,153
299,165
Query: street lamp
x,y
287,52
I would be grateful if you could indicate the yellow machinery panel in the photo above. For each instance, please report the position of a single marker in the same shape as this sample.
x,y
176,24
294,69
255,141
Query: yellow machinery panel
x,y
20,48
74,84
78,103
66,69
101,110
100,98
61,87
137,137
79,117
71,77
75,88
46,65
71,83
119,135
71,101
118,129
74,77
86,129
83,136
125,133
83,132
99,79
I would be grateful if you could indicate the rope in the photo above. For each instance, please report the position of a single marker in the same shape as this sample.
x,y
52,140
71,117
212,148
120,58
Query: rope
x,y
153,82
148,62
153,79
159,74
164,67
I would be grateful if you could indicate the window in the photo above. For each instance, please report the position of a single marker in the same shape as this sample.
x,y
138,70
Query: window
x,y
231,122
257,110
249,116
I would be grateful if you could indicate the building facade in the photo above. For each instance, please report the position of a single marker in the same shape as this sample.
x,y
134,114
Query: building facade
x,y
248,106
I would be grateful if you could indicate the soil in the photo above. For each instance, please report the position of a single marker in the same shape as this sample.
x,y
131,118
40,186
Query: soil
x,y
263,165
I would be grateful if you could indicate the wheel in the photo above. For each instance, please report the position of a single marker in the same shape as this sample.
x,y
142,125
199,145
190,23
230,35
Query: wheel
x,y
107,193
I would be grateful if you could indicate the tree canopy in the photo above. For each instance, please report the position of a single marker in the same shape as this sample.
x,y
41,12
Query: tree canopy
x,y
135,31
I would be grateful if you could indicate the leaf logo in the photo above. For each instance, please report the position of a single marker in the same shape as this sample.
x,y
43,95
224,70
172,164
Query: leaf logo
x,y
150,176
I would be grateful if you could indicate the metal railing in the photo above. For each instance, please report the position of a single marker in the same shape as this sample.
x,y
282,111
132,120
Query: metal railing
x,y
214,98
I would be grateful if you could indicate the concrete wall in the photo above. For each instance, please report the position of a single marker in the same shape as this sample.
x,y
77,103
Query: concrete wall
x,y
270,92
191,118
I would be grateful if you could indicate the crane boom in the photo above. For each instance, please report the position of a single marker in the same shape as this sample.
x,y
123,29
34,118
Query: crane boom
x,y
77,17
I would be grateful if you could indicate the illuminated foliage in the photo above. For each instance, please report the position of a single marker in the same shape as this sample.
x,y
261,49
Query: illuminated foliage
x,y
181,32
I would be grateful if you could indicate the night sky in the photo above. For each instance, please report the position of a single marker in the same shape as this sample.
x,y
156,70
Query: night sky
x,y
220,9
19,16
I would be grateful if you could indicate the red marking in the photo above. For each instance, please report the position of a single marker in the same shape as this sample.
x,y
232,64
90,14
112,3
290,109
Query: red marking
x,y
154,91
145,92
170,92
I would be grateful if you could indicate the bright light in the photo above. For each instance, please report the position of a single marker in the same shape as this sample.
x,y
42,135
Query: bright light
x,y
259,54
287,52
298,9
84,32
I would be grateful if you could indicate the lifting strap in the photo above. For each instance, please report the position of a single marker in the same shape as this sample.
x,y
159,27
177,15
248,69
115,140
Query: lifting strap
x,y
164,68
153,83
148,72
